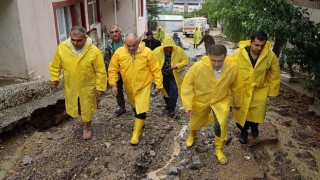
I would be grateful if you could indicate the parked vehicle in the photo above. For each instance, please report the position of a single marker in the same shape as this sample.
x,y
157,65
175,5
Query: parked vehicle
x,y
189,25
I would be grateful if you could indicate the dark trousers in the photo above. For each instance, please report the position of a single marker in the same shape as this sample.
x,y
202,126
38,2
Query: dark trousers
x,y
141,116
247,125
171,88
207,48
120,95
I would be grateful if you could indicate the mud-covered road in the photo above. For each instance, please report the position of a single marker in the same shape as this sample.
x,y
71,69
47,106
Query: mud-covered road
x,y
287,148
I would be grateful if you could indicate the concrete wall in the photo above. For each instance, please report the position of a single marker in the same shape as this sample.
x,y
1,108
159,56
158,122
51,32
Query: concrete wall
x,y
124,17
314,15
12,53
305,3
39,36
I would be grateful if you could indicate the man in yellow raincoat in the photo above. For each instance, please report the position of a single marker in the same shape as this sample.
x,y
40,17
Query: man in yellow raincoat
x,y
172,61
205,95
196,37
261,74
160,34
139,67
84,75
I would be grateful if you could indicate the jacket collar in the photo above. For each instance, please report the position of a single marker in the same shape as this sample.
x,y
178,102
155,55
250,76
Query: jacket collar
x,y
244,44
71,48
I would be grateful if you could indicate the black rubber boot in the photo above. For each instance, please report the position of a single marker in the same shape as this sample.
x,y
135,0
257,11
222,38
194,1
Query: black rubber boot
x,y
120,98
254,129
120,111
121,103
243,138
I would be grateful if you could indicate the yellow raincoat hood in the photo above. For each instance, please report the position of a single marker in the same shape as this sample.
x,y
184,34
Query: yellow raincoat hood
x,y
168,42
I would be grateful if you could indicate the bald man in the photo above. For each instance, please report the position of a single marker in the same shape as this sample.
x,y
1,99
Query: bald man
x,y
139,67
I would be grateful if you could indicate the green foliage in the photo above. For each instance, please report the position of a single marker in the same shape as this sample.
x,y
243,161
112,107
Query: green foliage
x,y
153,12
242,17
281,21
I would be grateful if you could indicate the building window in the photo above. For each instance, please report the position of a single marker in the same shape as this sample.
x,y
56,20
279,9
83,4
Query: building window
x,y
92,12
64,22
67,14
140,8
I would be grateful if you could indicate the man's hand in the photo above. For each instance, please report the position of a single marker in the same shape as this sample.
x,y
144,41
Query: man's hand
x,y
188,112
236,108
155,92
174,67
54,84
114,90
98,93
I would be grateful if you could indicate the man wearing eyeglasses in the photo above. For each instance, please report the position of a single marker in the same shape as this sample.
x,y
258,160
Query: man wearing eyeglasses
x,y
113,44
84,76
139,67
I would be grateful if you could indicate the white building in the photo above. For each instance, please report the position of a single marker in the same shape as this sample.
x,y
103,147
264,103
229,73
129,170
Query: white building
x,y
32,29
186,5
166,5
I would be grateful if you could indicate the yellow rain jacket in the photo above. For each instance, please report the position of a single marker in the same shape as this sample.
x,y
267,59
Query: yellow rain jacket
x,y
82,76
259,82
160,34
138,72
178,58
202,93
196,37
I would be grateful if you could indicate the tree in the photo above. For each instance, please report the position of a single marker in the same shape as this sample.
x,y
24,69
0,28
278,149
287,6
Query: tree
x,y
242,17
153,12
281,21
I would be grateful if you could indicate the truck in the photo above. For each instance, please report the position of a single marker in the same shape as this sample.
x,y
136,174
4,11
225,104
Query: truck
x,y
189,25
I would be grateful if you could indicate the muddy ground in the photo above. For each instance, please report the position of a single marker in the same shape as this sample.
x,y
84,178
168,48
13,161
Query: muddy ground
x,y
288,147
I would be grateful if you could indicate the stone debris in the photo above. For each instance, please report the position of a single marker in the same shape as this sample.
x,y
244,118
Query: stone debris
x,y
196,164
173,171
27,160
